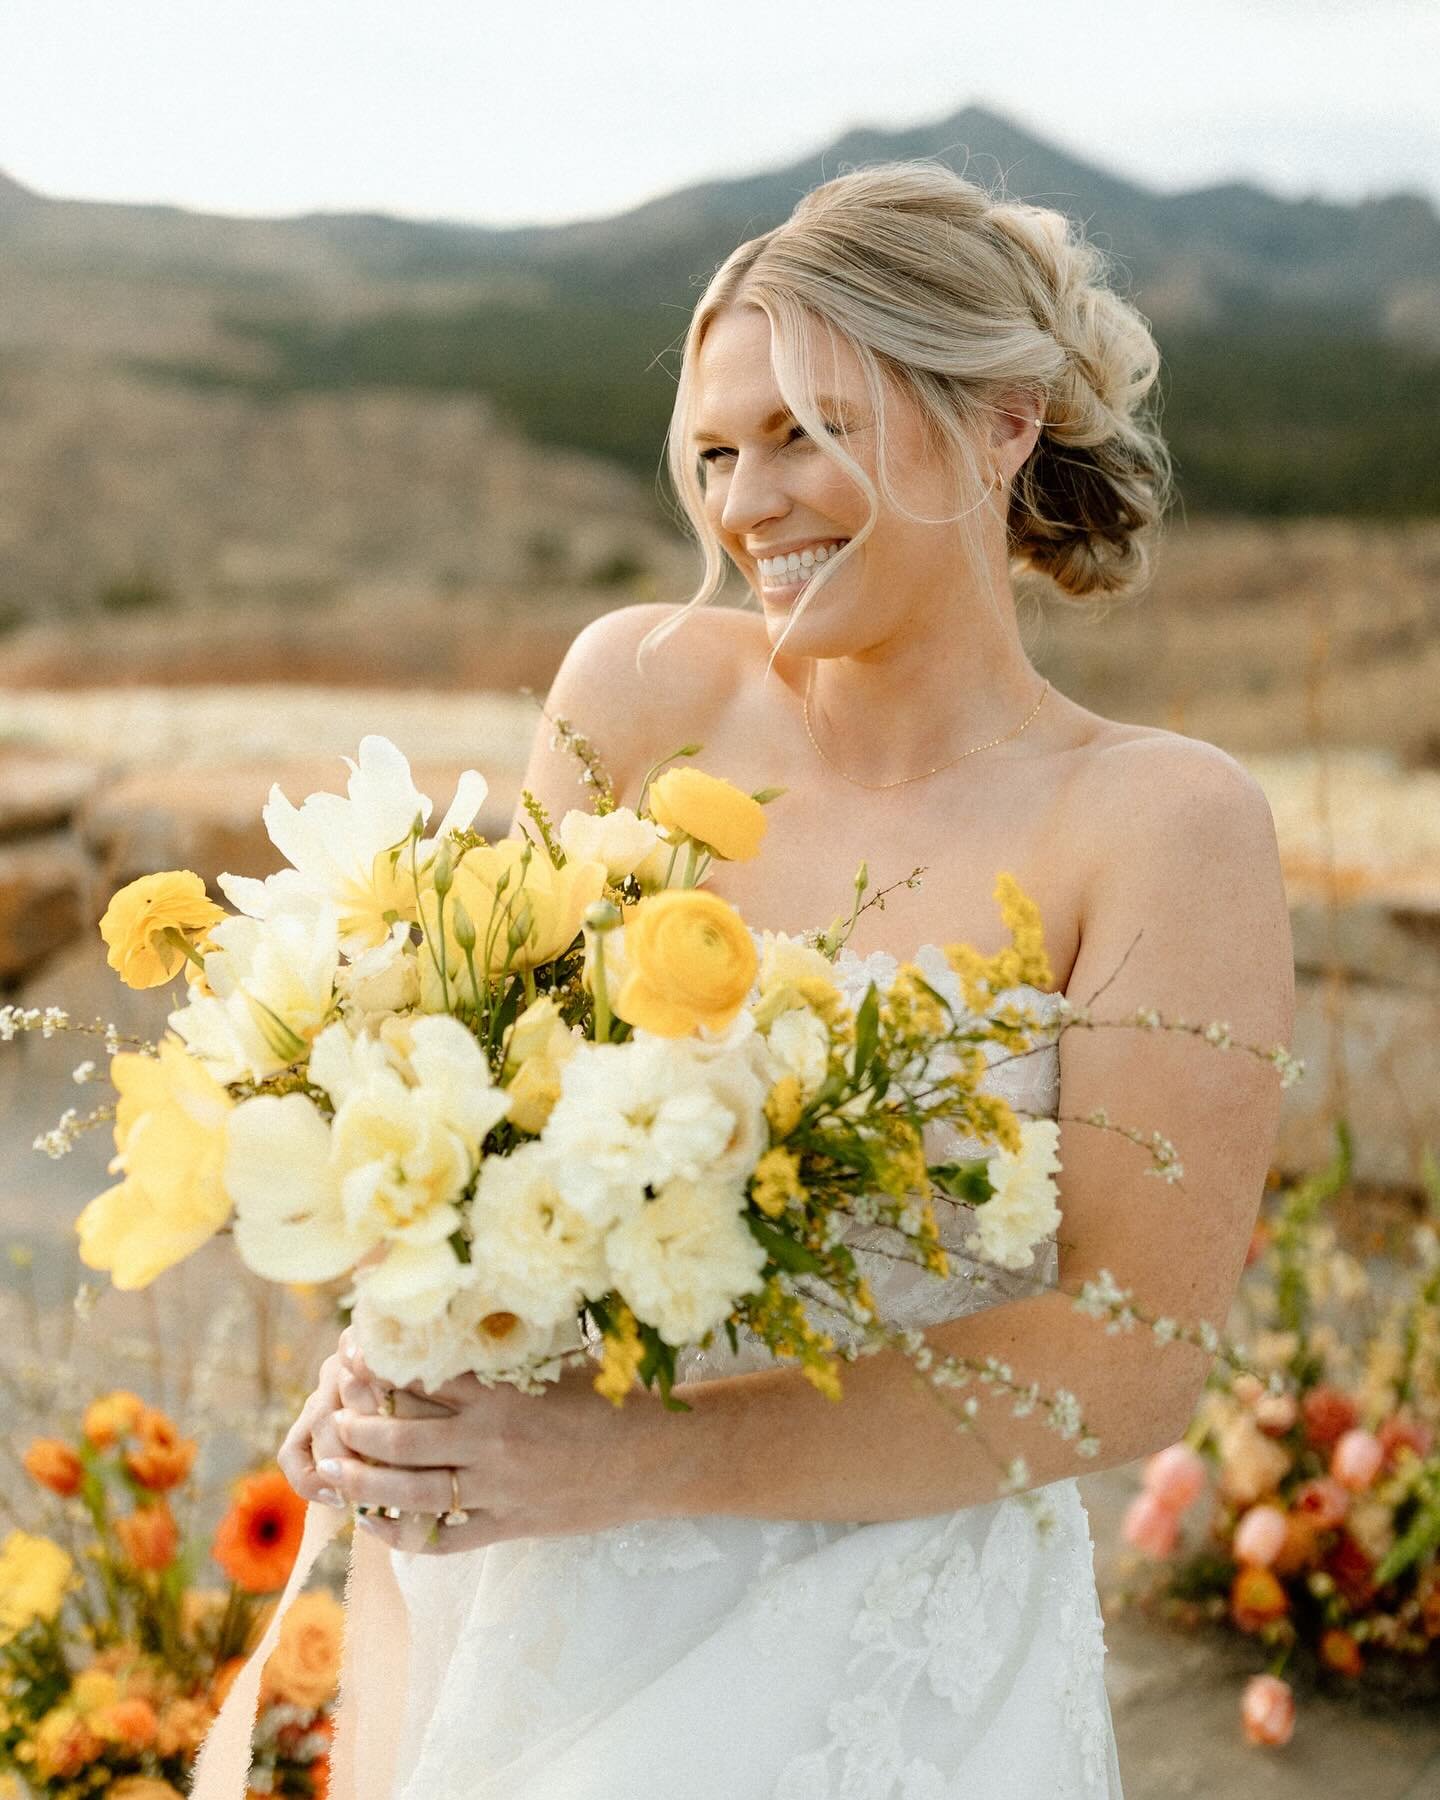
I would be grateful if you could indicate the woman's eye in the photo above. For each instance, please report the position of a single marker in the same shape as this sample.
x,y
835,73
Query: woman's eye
x,y
713,455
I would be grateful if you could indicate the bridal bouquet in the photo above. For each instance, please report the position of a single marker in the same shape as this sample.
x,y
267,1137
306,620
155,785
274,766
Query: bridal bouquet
x,y
545,1097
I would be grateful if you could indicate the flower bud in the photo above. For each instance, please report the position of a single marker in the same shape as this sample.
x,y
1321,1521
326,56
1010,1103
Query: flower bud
x,y
602,915
462,925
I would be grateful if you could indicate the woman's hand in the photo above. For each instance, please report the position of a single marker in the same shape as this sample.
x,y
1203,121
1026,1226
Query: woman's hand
x,y
313,1435
527,1465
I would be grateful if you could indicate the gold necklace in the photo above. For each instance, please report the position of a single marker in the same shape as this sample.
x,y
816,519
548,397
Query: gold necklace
x,y
876,786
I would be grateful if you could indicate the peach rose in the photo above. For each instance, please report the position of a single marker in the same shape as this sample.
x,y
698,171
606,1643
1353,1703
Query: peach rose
x,y
1276,1414
1175,1476
1260,1536
1251,1464
1356,1459
1323,1501
1267,1710
305,1664
1150,1526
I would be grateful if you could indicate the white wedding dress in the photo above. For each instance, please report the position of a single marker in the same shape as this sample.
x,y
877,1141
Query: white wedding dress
x,y
957,1656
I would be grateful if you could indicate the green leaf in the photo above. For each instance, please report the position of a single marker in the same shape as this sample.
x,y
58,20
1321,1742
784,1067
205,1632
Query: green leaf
x,y
867,1029
783,1250
766,795
962,1180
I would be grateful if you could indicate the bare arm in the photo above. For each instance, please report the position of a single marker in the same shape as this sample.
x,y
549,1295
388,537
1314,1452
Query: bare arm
x,y
1187,896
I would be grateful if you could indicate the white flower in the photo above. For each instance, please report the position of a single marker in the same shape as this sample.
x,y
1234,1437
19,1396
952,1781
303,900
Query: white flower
x,y
1023,1209
412,1112
273,985
534,1248
380,981
423,1315
336,845
799,1045
289,1221
620,839
634,1114
683,1258
785,958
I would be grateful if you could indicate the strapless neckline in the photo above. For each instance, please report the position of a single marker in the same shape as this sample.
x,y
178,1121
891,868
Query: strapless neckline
x,y
924,950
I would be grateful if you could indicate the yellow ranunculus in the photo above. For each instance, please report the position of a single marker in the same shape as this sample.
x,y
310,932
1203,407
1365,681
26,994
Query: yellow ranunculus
x,y
555,900
34,1574
713,812
142,1787
539,1043
689,961
170,1134
140,911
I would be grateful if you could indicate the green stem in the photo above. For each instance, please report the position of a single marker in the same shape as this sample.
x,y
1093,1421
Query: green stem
x,y
692,858
602,997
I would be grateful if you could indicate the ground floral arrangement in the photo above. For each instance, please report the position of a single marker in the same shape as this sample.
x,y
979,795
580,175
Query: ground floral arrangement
x,y
116,1653
1321,1541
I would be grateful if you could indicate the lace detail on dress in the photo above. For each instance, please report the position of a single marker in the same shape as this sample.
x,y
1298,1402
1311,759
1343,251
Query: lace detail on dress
x,y
956,1618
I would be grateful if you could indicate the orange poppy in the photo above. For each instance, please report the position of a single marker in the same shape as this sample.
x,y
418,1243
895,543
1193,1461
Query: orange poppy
x,y
258,1539
163,1458
52,1463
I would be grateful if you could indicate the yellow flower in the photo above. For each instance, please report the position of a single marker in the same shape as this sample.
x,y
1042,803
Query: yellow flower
x,y
623,1355
170,1125
689,961
548,902
777,1181
304,1667
538,1043
1023,961
92,1689
713,812
139,912
34,1574
142,1787
784,1105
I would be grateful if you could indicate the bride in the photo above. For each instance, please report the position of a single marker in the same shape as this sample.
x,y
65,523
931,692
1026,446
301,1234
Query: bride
x,y
886,405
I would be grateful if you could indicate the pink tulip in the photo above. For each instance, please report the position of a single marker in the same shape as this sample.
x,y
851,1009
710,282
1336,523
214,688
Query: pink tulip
x,y
1356,1459
1275,1414
1150,1526
1267,1710
1175,1476
1260,1536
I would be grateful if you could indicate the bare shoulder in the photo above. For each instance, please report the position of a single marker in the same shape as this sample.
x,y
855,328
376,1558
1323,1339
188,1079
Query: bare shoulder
x,y
635,708
1142,785
1182,849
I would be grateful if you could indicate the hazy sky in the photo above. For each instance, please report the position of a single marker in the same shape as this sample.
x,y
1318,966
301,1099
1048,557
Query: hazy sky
x,y
505,112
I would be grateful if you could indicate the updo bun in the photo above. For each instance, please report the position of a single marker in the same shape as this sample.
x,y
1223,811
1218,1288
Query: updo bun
x,y
957,297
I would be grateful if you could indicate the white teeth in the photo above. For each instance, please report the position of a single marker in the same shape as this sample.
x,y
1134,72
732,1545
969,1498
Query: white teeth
x,y
781,569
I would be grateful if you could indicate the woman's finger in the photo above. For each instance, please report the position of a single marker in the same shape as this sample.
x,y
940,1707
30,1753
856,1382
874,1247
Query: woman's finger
x,y
402,1443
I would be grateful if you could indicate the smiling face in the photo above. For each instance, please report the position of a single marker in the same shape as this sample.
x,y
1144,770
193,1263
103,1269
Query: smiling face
x,y
770,491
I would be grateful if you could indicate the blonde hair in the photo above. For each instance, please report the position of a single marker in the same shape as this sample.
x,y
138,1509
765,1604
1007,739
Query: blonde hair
x,y
950,297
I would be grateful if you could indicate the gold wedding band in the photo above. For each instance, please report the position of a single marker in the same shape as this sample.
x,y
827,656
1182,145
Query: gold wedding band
x,y
457,1514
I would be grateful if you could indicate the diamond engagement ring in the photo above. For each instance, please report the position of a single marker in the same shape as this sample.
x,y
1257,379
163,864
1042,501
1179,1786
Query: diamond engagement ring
x,y
457,1514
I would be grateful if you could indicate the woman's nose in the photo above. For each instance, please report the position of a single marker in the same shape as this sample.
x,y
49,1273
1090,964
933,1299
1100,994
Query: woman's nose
x,y
752,496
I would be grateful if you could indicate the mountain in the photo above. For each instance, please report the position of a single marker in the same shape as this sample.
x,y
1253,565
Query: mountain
x,y
1301,338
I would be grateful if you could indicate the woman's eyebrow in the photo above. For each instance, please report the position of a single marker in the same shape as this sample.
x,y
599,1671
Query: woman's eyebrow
x,y
823,401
